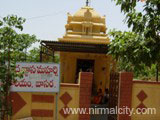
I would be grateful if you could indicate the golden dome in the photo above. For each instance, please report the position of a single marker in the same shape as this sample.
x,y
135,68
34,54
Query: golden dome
x,y
84,10
86,25
87,13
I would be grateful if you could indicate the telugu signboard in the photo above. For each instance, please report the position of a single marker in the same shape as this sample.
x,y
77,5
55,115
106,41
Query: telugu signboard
x,y
37,77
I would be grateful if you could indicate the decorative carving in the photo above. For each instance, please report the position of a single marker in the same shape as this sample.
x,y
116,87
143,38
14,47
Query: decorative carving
x,y
88,15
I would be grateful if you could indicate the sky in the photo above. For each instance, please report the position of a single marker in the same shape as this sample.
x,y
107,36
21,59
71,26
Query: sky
x,y
47,18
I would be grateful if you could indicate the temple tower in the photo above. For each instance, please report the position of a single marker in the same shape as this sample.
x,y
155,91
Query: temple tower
x,y
85,27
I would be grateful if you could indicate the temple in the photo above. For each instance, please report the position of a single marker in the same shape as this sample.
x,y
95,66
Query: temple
x,y
87,79
84,48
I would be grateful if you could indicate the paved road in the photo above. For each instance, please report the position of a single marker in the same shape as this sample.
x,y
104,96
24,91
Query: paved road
x,y
99,116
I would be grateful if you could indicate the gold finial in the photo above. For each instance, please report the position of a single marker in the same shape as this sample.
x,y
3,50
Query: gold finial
x,y
87,3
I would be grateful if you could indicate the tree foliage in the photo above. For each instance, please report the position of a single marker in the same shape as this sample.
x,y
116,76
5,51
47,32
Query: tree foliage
x,y
129,51
129,47
140,46
34,56
12,47
25,41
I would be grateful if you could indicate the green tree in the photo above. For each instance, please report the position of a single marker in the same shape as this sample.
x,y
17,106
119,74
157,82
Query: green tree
x,y
12,45
33,55
141,45
25,42
128,48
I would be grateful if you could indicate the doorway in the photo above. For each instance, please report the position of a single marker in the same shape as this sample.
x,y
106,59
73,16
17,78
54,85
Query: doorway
x,y
84,65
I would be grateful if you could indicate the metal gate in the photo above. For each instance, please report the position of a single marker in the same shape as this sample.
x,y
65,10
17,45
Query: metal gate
x,y
113,94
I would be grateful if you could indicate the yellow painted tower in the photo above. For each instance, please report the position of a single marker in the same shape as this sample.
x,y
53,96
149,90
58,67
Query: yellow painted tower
x,y
88,27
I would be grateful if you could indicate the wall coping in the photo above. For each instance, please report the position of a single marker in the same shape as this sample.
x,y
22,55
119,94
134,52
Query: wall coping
x,y
145,82
69,85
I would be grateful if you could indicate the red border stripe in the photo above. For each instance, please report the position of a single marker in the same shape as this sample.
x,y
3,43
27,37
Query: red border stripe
x,y
41,113
43,98
147,82
69,85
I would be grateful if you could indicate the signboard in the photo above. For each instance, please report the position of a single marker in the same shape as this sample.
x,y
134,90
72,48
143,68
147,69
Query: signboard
x,y
37,77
